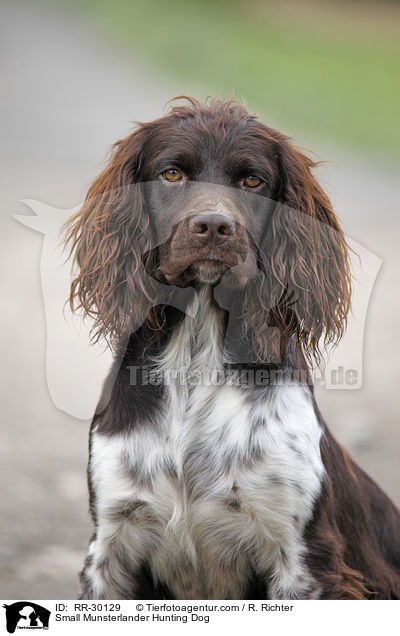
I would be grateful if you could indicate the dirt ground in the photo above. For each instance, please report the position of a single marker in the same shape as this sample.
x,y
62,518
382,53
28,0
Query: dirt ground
x,y
65,98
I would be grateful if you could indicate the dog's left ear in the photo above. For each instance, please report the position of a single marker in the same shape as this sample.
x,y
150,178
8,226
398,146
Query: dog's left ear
x,y
309,254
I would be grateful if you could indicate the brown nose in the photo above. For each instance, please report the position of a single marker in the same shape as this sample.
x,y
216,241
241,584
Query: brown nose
x,y
212,228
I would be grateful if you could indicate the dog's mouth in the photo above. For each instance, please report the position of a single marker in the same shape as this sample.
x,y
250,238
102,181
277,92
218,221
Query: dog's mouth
x,y
204,269
233,268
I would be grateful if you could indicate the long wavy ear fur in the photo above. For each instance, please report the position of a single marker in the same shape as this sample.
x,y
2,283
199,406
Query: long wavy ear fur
x,y
108,238
306,287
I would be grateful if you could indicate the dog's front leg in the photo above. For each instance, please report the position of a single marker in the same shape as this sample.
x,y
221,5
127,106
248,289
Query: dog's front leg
x,y
110,570
126,531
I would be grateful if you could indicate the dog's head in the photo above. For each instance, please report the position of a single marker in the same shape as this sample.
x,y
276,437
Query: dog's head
x,y
208,195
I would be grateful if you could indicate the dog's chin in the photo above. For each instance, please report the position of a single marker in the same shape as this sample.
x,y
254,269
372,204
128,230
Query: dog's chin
x,y
208,272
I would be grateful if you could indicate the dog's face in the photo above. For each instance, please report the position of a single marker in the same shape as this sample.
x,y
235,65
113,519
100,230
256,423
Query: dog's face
x,y
204,195
208,194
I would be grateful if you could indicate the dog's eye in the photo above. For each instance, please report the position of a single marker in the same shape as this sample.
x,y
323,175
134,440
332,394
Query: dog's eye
x,y
172,174
251,181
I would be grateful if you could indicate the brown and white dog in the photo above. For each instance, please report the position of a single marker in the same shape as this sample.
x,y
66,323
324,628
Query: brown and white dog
x,y
211,257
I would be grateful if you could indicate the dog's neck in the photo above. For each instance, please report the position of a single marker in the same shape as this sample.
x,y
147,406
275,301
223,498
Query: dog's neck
x,y
208,346
198,342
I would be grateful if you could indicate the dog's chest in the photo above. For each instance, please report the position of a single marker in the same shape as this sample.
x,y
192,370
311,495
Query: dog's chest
x,y
245,483
225,490
222,487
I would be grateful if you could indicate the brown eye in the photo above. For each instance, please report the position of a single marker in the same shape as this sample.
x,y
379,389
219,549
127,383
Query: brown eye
x,y
251,182
172,175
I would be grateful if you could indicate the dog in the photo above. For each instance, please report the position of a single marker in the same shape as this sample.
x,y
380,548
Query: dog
x,y
211,259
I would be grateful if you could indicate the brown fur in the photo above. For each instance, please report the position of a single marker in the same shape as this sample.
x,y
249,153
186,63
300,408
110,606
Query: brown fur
x,y
353,537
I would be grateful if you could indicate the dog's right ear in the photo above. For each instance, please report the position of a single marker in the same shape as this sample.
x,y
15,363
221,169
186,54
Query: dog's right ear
x,y
108,238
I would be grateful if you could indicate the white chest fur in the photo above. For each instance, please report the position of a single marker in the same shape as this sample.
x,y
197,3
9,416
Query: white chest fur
x,y
220,487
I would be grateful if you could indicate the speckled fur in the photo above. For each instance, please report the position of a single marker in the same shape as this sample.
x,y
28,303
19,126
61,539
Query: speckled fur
x,y
223,486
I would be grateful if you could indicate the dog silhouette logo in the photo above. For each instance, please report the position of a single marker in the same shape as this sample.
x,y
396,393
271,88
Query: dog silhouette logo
x,y
26,615
68,337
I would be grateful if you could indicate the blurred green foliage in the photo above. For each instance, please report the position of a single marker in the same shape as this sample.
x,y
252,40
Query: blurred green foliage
x,y
330,68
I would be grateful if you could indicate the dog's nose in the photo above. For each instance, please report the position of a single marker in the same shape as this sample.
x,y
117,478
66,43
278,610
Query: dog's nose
x,y
213,228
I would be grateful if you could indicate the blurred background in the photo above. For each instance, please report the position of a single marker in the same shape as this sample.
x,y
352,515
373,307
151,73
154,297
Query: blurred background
x,y
74,77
